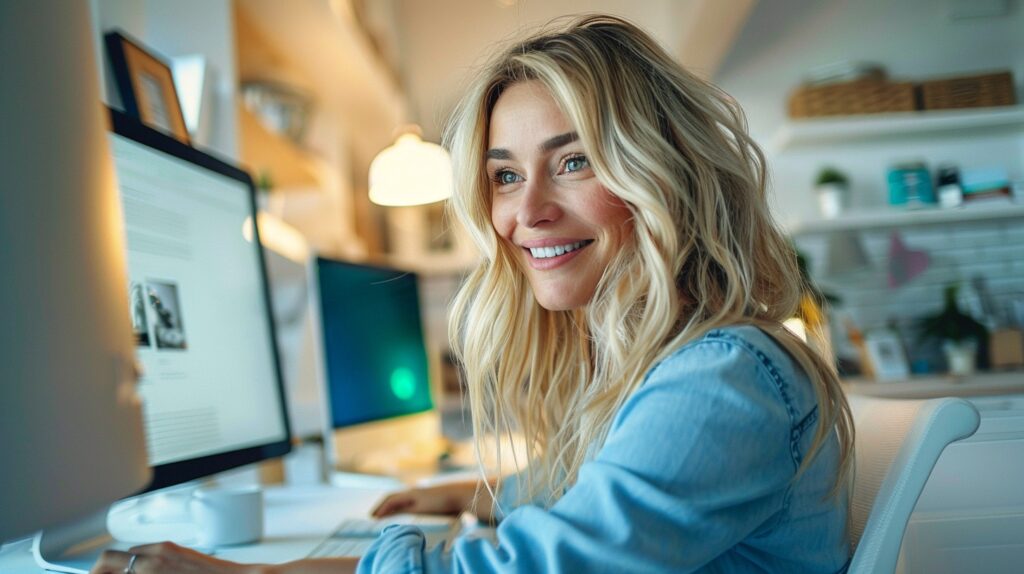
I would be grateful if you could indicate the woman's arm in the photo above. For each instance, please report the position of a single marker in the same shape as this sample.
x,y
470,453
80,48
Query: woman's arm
x,y
451,498
697,460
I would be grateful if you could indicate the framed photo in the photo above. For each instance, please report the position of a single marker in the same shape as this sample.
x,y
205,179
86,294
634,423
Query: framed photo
x,y
887,356
146,86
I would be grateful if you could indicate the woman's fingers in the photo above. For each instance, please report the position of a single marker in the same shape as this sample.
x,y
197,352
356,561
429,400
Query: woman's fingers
x,y
111,562
401,502
161,558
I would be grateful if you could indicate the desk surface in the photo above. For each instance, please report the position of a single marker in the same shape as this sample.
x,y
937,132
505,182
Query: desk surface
x,y
296,519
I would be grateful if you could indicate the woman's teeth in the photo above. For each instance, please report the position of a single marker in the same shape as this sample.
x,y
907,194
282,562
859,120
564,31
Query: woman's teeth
x,y
545,252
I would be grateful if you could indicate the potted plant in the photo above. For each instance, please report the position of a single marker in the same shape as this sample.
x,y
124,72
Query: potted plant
x,y
832,187
959,333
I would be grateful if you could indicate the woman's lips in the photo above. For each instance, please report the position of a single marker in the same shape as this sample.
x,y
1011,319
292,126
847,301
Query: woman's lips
x,y
546,263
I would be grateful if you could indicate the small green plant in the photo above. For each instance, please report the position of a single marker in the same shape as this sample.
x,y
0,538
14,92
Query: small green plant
x,y
951,324
264,181
831,175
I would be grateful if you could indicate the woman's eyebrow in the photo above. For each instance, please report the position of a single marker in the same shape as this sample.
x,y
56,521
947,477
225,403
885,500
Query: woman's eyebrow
x,y
498,153
558,141
547,145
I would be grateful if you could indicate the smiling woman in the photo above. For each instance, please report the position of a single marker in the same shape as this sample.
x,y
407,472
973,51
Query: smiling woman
x,y
626,318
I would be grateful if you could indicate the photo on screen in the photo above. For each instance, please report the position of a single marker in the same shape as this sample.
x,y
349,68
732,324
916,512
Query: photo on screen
x,y
140,323
169,328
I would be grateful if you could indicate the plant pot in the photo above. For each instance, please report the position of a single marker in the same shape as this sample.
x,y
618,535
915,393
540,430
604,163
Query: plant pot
x,y
960,356
832,199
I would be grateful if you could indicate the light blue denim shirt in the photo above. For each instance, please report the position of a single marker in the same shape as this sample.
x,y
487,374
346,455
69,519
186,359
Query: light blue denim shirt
x,y
696,475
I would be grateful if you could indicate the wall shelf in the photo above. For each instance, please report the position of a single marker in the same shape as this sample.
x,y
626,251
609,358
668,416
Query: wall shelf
x,y
875,127
289,166
884,218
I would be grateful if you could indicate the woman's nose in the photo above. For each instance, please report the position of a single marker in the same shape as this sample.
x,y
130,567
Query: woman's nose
x,y
539,204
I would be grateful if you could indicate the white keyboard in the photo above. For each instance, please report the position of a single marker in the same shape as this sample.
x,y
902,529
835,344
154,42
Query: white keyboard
x,y
354,536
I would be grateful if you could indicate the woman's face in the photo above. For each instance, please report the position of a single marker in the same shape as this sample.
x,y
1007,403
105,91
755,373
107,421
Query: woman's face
x,y
546,203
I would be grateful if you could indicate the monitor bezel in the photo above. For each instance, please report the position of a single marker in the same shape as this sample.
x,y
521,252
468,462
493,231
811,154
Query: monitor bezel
x,y
175,473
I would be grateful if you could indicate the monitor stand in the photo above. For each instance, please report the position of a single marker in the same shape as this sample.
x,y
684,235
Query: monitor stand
x,y
74,546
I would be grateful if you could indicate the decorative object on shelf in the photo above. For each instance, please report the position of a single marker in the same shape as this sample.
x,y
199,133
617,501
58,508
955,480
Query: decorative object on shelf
x,y
410,172
975,91
844,253
282,109
812,313
887,355
959,333
947,186
195,82
833,191
440,238
986,185
146,86
904,263
910,185
864,96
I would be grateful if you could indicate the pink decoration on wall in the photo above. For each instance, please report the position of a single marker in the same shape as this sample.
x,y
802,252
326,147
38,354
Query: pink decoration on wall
x,y
904,263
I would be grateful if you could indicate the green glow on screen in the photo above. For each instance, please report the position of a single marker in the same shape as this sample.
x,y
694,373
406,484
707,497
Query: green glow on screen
x,y
403,383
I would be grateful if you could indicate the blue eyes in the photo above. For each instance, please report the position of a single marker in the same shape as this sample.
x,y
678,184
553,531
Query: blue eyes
x,y
576,163
505,177
571,164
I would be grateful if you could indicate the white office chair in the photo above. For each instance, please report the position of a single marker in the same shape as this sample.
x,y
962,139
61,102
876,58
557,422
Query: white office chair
x,y
897,445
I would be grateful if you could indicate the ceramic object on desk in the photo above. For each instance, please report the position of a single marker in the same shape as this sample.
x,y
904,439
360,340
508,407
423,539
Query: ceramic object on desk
x,y
228,515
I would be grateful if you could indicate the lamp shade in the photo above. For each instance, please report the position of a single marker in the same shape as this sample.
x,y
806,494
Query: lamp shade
x,y
410,172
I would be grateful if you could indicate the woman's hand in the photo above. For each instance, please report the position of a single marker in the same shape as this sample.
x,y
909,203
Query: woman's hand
x,y
166,557
451,499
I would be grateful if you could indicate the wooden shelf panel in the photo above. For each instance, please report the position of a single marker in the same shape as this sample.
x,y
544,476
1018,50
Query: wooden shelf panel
x,y
289,166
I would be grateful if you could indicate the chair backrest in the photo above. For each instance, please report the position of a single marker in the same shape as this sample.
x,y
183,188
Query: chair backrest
x,y
897,445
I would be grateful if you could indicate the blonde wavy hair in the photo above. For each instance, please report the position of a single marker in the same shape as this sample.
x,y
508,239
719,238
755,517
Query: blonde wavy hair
x,y
705,252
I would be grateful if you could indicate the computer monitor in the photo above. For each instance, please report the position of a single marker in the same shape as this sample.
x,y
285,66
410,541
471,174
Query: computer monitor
x,y
212,394
71,437
376,376
200,306
289,289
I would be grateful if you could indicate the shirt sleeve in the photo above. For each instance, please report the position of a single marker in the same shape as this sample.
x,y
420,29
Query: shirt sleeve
x,y
696,460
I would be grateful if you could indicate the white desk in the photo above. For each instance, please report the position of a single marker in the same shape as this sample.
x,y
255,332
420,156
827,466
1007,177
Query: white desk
x,y
296,519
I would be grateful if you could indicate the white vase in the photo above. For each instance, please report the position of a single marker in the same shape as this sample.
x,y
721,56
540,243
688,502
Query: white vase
x,y
831,199
960,356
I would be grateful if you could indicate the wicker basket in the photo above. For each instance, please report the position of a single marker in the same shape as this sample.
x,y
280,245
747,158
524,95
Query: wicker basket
x,y
969,92
868,96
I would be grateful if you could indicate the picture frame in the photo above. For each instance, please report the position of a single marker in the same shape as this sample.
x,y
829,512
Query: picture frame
x,y
887,355
146,86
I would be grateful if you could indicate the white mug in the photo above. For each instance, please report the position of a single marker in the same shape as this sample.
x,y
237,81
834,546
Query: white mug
x,y
227,515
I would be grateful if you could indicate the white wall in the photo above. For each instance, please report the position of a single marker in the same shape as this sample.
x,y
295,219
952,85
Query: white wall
x,y
913,39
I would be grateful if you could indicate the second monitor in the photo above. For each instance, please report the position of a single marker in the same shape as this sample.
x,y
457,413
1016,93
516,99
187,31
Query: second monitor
x,y
373,357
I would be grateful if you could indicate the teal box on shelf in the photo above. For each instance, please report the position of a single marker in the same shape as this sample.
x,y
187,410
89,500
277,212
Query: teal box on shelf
x,y
910,185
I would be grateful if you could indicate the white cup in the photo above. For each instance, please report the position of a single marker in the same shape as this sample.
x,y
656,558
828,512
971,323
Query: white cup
x,y
227,515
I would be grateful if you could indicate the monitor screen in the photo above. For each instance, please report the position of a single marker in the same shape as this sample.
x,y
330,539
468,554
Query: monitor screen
x,y
371,336
211,385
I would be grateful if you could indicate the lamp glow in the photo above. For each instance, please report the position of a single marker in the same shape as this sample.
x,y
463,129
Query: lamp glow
x,y
410,172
